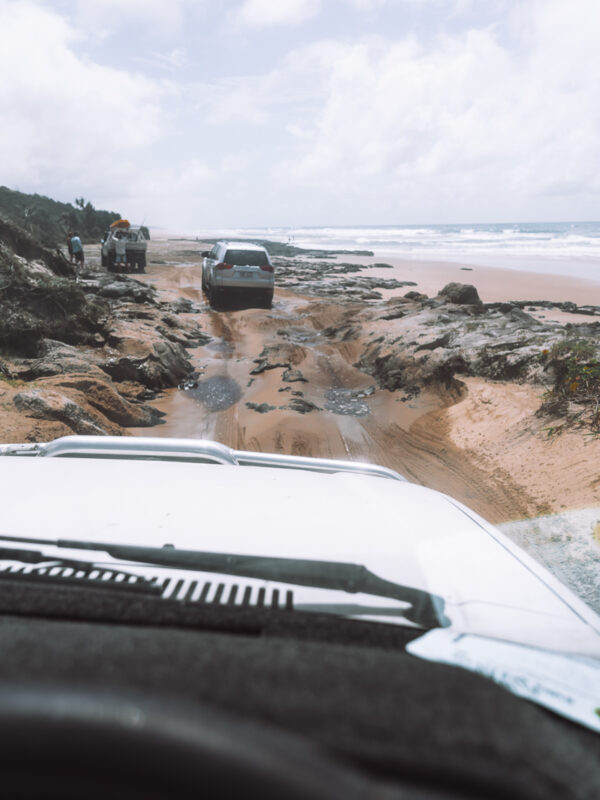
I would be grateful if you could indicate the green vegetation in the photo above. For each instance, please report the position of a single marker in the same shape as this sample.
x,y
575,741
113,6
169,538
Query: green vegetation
x,y
50,221
575,395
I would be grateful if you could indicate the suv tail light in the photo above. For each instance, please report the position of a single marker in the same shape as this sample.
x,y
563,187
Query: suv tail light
x,y
223,265
266,267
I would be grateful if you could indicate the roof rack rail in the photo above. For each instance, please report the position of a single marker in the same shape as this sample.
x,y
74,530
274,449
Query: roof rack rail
x,y
194,450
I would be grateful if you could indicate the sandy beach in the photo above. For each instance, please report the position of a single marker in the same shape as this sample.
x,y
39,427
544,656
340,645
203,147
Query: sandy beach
x,y
494,284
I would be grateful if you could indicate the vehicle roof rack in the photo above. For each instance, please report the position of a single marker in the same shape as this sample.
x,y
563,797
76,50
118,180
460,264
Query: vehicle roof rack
x,y
189,450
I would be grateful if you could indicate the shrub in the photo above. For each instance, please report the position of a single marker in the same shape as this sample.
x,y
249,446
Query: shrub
x,y
576,391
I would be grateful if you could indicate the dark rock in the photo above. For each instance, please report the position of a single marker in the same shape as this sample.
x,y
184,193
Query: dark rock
x,y
461,294
277,356
183,306
417,296
518,315
105,398
264,365
5,372
165,365
57,358
293,376
440,341
120,287
343,333
302,406
262,408
115,291
394,314
501,363
50,404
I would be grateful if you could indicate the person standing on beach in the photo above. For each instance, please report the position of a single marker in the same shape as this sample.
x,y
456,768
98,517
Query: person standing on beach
x,y
70,246
121,249
77,250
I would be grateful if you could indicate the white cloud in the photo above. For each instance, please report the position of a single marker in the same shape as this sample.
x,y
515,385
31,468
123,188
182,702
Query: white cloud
x,y
104,17
465,113
65,120
175,180
172,61
506,115
267,13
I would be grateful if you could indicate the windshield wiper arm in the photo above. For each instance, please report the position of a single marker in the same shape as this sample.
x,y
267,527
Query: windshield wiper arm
x,y
427,610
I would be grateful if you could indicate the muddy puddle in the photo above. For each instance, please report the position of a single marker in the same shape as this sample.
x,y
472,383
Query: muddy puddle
x,y
348,402
216,393
220,346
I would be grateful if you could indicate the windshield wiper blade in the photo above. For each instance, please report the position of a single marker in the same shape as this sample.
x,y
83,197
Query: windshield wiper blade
x,y
44,567
37,557
427,610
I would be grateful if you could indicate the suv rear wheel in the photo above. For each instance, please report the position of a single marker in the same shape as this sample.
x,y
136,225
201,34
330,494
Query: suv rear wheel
x,y
216,298
110,262
267,298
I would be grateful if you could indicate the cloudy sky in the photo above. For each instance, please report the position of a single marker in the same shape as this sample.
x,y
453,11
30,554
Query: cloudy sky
x,y
192,114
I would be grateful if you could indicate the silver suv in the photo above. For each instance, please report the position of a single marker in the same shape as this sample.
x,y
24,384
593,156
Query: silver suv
x,y
238,267
135,254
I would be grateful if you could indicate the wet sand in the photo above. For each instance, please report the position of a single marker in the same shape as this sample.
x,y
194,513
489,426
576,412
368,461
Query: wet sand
x,y
431,439
494,284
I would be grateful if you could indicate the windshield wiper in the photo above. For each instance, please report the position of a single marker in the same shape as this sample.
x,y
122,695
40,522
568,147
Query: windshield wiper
x,y
427,610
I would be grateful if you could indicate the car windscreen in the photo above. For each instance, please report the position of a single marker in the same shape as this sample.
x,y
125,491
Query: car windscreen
x,y
252,258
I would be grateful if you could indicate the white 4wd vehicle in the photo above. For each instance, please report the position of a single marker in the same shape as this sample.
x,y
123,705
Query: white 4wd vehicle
x,y
135,253
240,267
345,639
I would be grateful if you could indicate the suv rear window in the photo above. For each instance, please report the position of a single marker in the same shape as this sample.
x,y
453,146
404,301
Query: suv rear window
x,y
252,258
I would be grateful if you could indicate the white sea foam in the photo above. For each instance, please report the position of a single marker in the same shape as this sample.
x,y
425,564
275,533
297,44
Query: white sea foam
x,y
571,248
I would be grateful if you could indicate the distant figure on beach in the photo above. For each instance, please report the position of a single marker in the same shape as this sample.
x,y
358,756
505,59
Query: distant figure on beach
x,y
77,249
120,248
70,246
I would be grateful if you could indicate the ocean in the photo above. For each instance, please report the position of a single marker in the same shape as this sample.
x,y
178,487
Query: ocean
x,y
563,248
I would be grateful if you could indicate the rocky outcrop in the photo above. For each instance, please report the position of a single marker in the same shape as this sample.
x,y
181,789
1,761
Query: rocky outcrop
x,y
85,353
282,356
20,243
50,404
104,397
57,358
36,304
330,278
435,342
161,364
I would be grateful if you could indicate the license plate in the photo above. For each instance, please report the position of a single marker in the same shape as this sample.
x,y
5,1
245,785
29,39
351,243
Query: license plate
x,y
246,274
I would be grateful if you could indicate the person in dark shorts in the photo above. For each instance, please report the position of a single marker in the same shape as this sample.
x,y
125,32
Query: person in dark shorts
x,y
70,246
77,249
